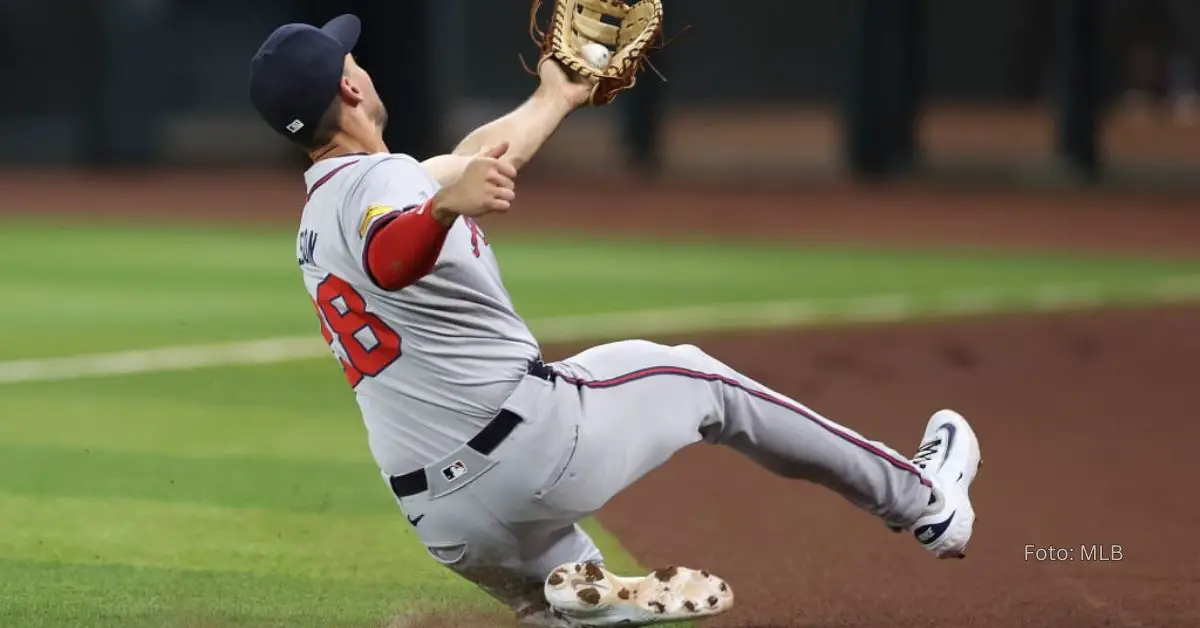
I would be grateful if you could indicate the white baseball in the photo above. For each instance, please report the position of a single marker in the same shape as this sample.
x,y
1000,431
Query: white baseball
x,y
596,54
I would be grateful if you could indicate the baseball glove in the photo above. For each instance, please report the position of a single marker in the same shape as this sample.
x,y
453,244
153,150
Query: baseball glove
x,y
629,31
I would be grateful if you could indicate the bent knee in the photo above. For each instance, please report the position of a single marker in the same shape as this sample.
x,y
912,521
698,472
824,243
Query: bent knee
x,y
689,349
692,355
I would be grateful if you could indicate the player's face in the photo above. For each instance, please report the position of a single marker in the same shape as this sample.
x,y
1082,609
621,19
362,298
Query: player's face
x,y
371,103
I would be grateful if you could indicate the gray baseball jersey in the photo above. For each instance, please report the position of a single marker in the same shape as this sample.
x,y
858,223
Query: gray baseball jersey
x,y
431,364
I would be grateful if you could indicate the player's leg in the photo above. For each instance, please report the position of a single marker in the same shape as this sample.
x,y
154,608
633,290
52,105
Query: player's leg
x,y
488,528
571,545
557,579
508,560
649,400
554,576
520,583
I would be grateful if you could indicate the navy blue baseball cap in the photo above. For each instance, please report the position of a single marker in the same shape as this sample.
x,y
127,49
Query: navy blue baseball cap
x,y
295,75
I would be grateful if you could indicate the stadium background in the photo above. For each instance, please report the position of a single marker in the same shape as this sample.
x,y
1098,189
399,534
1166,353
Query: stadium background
x,y
879,208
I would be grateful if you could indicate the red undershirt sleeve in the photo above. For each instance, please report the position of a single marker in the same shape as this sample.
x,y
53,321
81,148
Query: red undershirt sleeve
x,y
403,247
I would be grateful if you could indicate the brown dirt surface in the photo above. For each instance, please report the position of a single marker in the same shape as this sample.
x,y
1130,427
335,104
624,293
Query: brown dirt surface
x,y
450,619
1146,224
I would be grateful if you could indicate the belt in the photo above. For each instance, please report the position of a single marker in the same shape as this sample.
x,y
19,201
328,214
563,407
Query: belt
x,y
485,442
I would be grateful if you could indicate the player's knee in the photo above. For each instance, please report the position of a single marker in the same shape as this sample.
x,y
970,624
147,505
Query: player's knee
x,y
692,354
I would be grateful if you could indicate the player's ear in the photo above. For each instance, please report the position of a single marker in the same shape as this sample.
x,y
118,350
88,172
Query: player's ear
x,y
348,89
351,94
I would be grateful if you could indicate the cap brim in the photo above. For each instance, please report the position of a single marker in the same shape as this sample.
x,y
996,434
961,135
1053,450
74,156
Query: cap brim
x,y
345,29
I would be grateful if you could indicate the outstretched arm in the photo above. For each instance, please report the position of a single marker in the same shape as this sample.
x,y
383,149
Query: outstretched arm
x,y
525,129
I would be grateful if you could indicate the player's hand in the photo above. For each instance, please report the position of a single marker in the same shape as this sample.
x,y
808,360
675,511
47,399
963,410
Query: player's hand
x,y
572,89
486,186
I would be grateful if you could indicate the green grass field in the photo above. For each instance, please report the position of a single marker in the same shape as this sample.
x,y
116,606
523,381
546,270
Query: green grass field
x,y
244,495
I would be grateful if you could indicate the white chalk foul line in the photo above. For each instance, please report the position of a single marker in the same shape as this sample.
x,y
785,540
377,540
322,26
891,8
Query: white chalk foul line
x,y
644,323
265,351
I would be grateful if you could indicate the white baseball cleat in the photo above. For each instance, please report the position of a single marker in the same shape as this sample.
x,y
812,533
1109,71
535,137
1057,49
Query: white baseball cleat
x,y
589,595
949,456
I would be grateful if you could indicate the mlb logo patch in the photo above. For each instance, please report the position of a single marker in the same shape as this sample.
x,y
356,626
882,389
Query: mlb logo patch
x,y
454,471
294,126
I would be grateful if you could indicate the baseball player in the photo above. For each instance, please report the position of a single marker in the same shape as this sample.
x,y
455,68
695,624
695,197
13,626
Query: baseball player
x,y
492,454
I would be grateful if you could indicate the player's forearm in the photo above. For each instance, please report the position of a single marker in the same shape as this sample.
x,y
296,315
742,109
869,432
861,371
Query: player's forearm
x,y
526,128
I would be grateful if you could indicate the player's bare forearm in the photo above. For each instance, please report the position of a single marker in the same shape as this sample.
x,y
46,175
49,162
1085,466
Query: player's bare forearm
x,y
525,129
446,169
